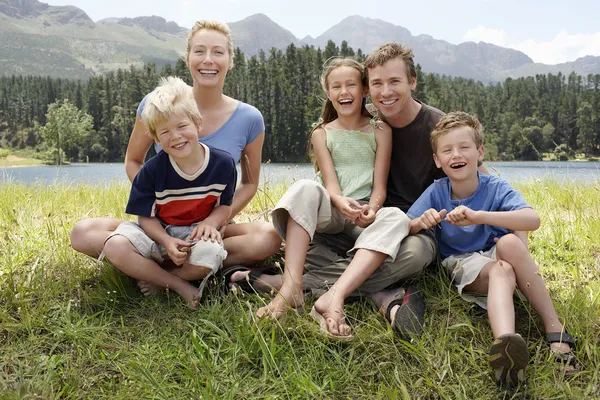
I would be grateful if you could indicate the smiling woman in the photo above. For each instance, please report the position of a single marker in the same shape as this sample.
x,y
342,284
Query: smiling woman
x,y
227,124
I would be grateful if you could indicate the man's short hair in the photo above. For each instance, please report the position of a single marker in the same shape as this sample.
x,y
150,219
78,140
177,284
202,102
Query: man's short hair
x,y
389,51
171,96
454,120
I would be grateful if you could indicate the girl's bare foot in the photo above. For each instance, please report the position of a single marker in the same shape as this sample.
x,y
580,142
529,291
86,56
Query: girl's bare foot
x,y
288,297
331,308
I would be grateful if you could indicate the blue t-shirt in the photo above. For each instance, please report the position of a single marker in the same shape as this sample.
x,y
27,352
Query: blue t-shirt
x,y
242,127
161,189
492,194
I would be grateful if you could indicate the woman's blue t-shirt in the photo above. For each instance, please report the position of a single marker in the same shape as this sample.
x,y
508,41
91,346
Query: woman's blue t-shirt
x,y
242,127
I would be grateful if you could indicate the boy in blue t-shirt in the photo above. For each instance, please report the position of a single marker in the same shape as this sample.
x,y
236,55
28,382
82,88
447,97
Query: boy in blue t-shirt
x,y
182,196
475,217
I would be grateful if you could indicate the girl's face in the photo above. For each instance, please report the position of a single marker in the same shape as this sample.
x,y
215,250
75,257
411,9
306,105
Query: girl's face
x,y
345,90
209,58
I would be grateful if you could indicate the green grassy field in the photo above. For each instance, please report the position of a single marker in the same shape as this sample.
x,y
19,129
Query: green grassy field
x,y
70,328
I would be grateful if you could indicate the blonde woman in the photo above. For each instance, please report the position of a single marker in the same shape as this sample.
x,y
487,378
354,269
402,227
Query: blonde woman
x,y
228,124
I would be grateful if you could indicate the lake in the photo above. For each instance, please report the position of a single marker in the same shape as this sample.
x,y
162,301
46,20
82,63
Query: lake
x,y
94,174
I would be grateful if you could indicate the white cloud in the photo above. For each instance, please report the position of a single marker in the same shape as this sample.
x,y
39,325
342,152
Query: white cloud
x,y
488,35
562,48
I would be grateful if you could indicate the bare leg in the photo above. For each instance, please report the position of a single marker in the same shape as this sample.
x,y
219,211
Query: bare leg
x,y
191,272
531,283
250,243
331,304
89,234
290,294
497,281
125,257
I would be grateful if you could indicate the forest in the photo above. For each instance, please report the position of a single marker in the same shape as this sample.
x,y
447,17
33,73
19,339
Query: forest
x,y
533,118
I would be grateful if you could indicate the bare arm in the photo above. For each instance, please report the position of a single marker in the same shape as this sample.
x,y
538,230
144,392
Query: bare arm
x,y
139,143
250,165
383,138
348,207
219,216
525,219
154,229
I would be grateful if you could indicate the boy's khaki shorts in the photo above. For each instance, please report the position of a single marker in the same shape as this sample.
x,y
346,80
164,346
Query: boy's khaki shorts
x,y
203,253
465,268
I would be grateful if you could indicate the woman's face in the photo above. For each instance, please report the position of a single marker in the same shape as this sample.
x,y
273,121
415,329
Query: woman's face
x,y
209,58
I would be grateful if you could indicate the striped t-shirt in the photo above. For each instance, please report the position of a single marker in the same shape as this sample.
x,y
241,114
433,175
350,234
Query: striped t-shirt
x,y
161,189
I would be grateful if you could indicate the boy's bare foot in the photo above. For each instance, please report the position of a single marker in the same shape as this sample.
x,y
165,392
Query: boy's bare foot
x,y
148,289
191,295
331,309
286,298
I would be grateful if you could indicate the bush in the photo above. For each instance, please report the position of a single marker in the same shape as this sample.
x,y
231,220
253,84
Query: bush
x,y
5,153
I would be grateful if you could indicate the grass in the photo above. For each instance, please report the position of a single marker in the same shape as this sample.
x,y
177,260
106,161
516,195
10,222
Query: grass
x,y
15,161
70,328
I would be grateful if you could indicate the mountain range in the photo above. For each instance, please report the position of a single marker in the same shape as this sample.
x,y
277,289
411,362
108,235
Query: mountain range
x,y
63,41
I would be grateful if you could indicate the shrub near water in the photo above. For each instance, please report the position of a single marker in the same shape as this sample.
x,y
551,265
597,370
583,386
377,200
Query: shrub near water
x,y
70,328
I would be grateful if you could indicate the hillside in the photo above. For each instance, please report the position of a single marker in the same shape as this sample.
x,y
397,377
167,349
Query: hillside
x,y
62,41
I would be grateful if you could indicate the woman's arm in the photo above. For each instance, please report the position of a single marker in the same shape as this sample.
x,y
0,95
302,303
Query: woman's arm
x,y
139,143
250,165
383,155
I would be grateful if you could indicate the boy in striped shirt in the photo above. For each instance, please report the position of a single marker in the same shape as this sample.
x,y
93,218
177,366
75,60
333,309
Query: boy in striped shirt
x,y
182,196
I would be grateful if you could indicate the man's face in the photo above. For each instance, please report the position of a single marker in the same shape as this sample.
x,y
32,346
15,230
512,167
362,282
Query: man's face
x,y
390,87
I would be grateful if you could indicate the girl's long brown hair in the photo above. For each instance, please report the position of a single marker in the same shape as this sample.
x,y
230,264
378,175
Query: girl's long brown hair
x,y
328,112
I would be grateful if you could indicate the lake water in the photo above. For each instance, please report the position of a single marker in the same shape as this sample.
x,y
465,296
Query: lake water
x,y
94,174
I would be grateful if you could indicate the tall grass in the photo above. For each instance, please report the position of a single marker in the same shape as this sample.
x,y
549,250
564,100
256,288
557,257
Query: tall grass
x,y
70,328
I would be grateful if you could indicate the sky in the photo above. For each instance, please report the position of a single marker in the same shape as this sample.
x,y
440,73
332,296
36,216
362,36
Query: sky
x,y
548,31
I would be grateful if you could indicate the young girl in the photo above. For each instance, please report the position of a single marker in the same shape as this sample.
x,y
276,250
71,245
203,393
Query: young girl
x,y
352,155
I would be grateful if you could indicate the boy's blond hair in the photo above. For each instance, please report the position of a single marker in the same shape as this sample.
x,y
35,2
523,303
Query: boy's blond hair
x,y
209,25
171,96
389,51
454,120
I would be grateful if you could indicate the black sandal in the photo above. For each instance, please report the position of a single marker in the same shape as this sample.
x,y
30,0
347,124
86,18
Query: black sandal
x,y
246,284
562,337
410,316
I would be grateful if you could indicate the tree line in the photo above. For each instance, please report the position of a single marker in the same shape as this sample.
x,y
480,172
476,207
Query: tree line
x,y
524,118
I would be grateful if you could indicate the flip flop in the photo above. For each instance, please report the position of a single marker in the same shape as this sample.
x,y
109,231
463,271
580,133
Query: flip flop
x,y
508,358
562,337
246,284
323,326
410,316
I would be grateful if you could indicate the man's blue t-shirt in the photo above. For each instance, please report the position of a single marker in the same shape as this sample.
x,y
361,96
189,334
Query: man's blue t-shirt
x,y
492,194
241,129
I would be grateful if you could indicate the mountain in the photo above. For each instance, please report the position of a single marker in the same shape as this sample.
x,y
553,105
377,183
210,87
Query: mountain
x,y
481,61
259,32
62,41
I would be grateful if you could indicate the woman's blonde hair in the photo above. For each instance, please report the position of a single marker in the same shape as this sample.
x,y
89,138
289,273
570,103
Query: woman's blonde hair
x,y
210,25
171,96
